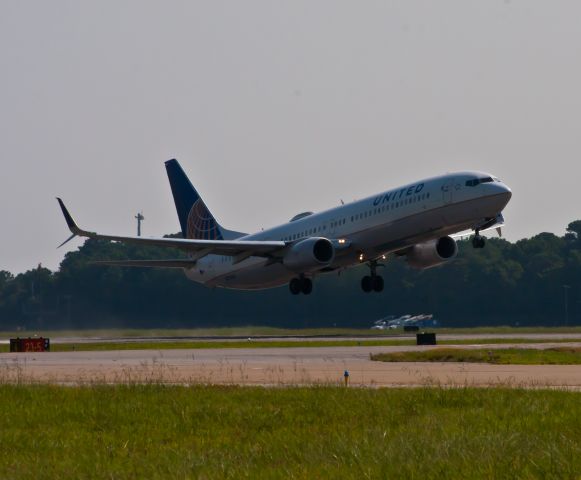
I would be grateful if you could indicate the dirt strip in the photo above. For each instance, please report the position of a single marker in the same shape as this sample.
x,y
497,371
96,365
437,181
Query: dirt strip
x,y
276,367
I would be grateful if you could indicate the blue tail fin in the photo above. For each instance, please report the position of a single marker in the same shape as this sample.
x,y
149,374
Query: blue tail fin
x,y
195,219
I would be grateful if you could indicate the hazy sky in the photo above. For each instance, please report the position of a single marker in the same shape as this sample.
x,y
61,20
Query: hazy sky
x,y
278,107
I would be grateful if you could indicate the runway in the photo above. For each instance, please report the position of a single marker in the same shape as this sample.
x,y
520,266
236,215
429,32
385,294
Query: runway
x,y
278,367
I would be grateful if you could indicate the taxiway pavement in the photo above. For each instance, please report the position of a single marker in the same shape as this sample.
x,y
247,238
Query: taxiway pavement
x,y
278,367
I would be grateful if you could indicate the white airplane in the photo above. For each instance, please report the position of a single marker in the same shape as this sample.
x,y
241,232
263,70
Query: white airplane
x,y
417,221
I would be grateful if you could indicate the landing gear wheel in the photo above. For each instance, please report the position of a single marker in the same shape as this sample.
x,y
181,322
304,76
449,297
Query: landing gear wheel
x,y
366,284
301,285
478,241
307,286
377,282
295,286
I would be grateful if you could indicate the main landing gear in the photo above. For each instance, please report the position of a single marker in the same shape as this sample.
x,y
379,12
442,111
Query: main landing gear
x,y
478,241
301,285
372,282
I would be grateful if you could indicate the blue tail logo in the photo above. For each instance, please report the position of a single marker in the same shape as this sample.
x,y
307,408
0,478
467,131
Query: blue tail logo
x,y
201,224
195,219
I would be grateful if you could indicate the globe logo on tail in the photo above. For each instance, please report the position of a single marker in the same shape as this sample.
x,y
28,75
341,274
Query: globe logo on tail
x,y
201,223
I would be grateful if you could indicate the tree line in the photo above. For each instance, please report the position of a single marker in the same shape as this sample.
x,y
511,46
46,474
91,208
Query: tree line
x,y
534,281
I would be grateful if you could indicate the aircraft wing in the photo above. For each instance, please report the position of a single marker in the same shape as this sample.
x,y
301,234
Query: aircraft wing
x,y
197,249
178,263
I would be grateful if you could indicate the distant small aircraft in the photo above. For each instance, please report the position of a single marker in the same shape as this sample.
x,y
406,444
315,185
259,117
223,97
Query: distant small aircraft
x,y
417,220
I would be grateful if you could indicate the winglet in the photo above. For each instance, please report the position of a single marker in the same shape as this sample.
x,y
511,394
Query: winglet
x,y
67,240
70,222
75,230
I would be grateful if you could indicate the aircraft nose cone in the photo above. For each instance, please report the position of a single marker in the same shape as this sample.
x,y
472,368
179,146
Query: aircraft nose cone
x,y
504,192
507,191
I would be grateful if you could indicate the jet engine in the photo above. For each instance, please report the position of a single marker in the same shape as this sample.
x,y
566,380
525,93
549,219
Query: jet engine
x,y
432,253
309,254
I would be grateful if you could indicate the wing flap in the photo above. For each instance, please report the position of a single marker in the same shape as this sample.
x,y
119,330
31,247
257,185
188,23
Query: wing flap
x,y
179,263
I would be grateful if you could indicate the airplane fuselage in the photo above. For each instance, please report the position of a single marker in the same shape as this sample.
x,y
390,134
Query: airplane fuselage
x,y
373,227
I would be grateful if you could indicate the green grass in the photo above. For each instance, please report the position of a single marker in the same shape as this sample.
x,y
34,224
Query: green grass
x,y
517,356
499,341
250,331
204,344
101,346
151,431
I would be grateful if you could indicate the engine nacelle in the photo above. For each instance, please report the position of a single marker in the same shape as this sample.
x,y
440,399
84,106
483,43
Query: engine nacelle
x,y
309,254
432,253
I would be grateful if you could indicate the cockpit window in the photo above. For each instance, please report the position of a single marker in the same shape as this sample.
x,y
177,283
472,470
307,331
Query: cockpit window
x,y
478,181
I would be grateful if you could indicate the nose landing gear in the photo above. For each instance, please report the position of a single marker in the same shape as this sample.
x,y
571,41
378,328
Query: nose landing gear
x,y
478,241
372,282
301,285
